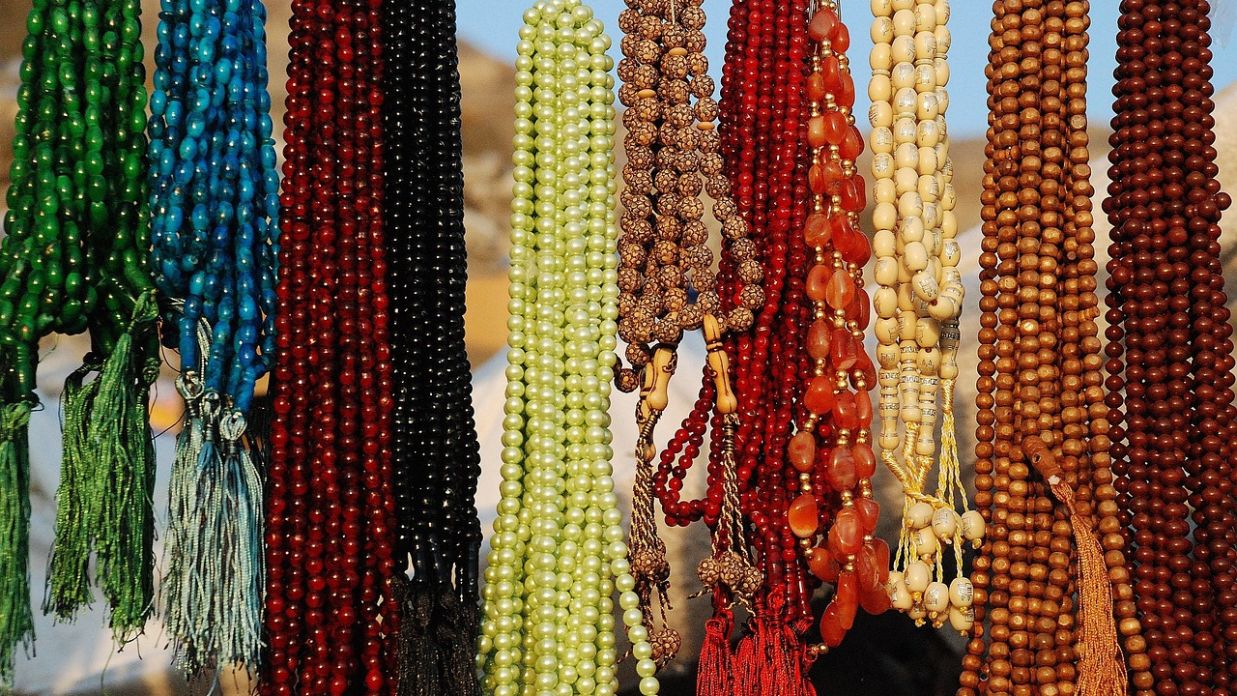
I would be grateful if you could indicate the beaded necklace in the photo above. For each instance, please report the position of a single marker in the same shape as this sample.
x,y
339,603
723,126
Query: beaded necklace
x,y
331,615
557,554
73,260
668,285
832,452
215,200
919,301
1047,574
1170,355
436,456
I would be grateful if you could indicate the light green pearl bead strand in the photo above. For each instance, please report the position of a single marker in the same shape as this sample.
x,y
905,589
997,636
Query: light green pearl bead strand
x,y
558,555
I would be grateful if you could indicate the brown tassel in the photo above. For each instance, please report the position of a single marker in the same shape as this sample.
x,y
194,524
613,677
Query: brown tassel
x,y
714,675
1101,667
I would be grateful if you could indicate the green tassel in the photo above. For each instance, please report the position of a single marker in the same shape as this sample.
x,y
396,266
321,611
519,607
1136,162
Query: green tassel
x,y
77,503
213,590
16,620
106,501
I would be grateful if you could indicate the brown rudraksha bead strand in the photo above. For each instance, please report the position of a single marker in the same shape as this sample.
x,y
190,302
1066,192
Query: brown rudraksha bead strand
x,y
1170,352
666,279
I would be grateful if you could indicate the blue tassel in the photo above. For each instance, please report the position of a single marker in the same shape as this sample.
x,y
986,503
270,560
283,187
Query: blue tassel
x,y
213,590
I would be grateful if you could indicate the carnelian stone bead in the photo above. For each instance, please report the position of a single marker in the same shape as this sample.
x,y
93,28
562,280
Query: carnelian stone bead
x,y
823,25
851,144
845,411
863,404
840,38
865,568
819,398
845,91
818,337
846,534
841,471
834,127
804,516
841,290
865,458
817,230
815,87
842,349
818,280
854,197
869,512
831,74
831,630
852,244
863,309
876,601
822,564
817,131
816,179
882,559
847,598
801,451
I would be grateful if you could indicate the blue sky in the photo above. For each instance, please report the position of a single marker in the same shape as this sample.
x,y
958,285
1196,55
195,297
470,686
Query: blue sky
x,y
492,25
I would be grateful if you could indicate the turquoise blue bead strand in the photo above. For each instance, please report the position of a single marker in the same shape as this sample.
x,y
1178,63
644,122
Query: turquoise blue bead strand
x,y
214,233
558,554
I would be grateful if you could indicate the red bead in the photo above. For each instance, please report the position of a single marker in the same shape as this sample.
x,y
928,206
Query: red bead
x,y
823,24
865,458
831,629
869,513
803,516
819,335
841,471
840,38
818,282
801,451
831,74
815,87
819,398
816,133
866,569
876,601
841,290
846,534
847,599
822,564
843,352
817,230
835,128
854,195
852,244
845,411
850,146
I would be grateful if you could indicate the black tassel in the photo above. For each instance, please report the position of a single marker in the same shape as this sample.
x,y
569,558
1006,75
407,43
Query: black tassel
x,y
420,672
456,625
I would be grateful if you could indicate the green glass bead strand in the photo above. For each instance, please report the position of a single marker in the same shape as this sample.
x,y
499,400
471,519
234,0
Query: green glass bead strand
x,y
74,260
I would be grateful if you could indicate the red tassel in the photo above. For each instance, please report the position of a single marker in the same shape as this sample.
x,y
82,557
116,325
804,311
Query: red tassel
x,y
771,661
714,675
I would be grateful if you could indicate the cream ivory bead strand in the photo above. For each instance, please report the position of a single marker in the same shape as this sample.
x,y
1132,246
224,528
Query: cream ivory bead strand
x,y
919,301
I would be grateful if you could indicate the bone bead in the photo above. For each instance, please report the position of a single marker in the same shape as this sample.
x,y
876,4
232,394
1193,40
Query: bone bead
x,y
926,543
882,8
918,575
886,273
899,595
961,593
945,524
936,598
919,515
973,526
962,619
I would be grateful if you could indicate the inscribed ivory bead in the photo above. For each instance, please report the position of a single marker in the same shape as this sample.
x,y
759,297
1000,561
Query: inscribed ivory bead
x,y
926,543
961,592
902,76
884,243
885,301
915,256
882,8
902,51
936,598
925,45
903,22
882,30
886,273
880,87
945,524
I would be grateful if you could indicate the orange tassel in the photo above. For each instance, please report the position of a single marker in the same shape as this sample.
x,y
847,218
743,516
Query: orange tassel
x,y
1101,666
